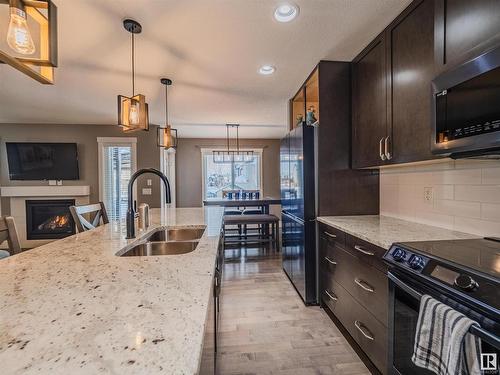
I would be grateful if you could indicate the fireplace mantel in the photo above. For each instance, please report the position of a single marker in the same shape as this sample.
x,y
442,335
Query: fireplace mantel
x,y
44,191
18,195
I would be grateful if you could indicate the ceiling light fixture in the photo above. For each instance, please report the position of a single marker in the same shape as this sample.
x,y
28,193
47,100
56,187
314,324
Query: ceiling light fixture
x,y
229,155
166,137
266,70
31,38
286,12
133,113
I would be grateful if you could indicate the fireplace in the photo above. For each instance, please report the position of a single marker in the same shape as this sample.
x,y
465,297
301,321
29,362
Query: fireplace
x,y
49,219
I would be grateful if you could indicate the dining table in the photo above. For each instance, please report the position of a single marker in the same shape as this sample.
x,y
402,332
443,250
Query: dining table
x,y
263,202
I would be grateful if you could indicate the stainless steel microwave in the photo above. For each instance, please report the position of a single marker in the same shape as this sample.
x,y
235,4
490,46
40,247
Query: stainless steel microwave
x,y
466,106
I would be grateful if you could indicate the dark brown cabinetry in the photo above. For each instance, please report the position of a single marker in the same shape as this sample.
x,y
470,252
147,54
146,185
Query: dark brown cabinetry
x,y
209,355
464,29
354,287
411,69
369,102
392,76
323,101
391,91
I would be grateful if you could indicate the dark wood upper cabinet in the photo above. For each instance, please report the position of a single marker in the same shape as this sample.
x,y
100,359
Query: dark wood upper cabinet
x,y
391,99
325,100
410,72
369,104
464,29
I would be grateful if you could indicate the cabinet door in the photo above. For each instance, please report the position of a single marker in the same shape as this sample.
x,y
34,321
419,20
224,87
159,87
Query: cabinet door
x,y
465,29
411,60
369,104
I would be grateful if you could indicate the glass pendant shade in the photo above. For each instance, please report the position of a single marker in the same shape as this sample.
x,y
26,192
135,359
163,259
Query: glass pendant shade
x,y
133,113
30,42
19,35
167,137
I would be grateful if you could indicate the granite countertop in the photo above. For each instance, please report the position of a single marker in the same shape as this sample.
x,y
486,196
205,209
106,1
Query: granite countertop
x,y
74,307
383,231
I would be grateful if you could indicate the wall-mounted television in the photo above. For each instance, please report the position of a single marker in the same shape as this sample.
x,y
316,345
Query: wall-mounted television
x,y
42,161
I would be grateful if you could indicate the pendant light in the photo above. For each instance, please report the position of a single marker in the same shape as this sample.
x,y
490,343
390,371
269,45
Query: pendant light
x,y
166,137
229,155
133,113
19,36
31,38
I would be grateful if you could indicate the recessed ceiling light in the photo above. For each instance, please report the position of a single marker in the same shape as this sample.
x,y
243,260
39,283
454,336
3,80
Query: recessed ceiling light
x,y
267,70
286,12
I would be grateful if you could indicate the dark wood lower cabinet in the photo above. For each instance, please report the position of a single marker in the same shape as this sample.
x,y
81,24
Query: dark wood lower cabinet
x,y
209,355
354,288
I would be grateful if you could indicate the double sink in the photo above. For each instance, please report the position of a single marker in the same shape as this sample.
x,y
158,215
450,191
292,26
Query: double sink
x,y
169,241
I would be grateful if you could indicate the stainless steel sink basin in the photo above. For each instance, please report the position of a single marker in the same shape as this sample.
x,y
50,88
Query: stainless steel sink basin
x,y
161,248
180,234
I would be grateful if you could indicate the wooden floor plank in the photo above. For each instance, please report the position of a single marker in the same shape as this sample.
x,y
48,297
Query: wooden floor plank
x,y
266,329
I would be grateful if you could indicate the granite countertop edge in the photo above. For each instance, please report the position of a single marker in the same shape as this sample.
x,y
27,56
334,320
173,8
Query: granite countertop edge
x,y
383,231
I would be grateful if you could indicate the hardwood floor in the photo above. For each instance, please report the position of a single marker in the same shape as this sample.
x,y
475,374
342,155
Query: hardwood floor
x,y
266,328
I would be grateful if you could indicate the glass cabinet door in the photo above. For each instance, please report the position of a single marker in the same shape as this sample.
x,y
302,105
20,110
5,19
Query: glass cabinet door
x,y
312,99
298,109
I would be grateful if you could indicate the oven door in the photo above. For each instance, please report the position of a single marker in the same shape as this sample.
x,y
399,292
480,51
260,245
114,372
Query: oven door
x,y
404,306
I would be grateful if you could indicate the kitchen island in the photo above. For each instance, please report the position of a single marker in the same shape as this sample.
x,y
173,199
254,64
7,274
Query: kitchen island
x,y
74,307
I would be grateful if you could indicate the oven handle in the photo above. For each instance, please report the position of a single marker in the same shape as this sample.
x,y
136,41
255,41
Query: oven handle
x,y
474,330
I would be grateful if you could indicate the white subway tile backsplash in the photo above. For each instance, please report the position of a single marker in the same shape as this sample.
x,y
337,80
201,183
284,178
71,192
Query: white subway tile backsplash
x,y
490,211
465,195
444,191
457,177
478,193
458,208
476,226
491,176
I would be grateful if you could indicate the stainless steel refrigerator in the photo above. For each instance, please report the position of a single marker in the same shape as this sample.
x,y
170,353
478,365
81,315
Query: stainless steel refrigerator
x,y
299,209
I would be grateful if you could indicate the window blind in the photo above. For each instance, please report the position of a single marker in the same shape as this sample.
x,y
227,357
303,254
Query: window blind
x,y
117,170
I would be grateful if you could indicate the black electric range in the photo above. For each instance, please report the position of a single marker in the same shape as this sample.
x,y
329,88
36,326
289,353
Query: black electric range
x,y
464,274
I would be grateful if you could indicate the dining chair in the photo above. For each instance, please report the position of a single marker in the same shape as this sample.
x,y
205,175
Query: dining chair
x,y
8,232
89,216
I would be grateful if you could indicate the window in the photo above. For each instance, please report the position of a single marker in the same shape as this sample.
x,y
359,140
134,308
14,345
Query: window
x,y
231,175
117,162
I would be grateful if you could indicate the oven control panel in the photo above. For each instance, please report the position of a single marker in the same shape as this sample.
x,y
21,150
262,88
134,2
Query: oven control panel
x,y
405,258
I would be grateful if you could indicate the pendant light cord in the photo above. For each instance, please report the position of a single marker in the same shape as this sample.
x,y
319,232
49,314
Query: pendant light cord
x,y
133,66
166,105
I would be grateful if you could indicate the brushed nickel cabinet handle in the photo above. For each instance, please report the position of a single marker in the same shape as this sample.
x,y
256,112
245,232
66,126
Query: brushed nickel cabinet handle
x,y
387,152
380,150
330,261
364,331
361,250
364,285
330,235
332,297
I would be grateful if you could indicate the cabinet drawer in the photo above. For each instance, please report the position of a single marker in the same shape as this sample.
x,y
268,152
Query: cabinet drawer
x,y
366,251
365,283
332,234
367,331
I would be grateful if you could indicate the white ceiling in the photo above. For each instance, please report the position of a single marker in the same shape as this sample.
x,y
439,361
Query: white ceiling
x,y
211,49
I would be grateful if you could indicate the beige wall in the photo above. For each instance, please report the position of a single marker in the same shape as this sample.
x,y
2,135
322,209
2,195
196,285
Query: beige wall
x,y
465,195
148,154
189,170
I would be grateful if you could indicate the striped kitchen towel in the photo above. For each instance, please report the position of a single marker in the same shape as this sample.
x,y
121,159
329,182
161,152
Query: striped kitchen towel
x,y
442,342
